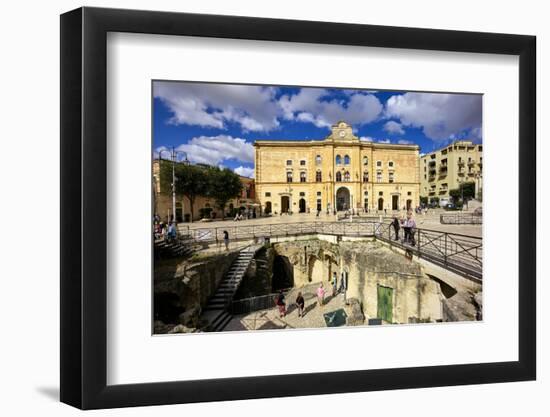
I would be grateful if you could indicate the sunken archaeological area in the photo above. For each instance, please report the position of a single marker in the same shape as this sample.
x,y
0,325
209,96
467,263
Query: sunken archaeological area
x,y
235,290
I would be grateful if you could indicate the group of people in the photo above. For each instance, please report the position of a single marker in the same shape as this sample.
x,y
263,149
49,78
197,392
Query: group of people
x,y
164,230
409,228
280,300
245,214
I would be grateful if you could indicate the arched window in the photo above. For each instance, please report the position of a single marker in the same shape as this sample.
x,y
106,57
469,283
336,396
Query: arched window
x,y
338,160
346,176
302,176
346,160
318,159
318,176
365,160
338,176
366,176
289,176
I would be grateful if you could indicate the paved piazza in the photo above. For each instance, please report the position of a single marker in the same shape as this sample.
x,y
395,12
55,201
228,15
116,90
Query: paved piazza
x,y
428,221
313,314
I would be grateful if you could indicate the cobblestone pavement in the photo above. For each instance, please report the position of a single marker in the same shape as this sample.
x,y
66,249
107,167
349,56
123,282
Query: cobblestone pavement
x,y
428,221
270,319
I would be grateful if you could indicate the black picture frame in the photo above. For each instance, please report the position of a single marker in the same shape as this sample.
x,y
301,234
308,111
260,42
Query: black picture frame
x,y
84,207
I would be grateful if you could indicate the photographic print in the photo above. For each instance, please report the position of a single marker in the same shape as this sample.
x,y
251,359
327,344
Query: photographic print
x,y
290,207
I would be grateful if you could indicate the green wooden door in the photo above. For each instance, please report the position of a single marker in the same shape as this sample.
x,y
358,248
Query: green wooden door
x,y
385,304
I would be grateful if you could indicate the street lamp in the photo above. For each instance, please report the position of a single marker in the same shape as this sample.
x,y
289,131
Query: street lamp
x,y
173,156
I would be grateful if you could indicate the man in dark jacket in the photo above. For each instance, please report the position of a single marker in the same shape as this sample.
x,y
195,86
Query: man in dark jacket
x,y
396,227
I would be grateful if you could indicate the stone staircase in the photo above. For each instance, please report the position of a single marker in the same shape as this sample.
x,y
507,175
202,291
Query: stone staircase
x,y
182,246
215,311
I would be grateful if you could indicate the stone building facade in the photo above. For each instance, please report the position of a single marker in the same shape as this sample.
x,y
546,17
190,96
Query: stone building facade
x,y
338,173
448,167
162,199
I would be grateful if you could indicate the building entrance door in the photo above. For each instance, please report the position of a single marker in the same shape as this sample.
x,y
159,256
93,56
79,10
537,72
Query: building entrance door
x,y
342,199
380,204
267,207
302,205
285,203
395,202
385,304
409,204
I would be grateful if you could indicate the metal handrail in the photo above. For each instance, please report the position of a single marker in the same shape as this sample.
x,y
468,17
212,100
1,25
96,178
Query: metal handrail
x,y
454,251
460,218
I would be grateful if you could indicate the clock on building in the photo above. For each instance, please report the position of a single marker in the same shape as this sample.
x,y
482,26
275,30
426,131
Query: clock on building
x,y
342,133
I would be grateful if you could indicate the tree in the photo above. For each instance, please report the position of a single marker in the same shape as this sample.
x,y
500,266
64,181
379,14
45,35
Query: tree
x,y
224,185
467,191
191,181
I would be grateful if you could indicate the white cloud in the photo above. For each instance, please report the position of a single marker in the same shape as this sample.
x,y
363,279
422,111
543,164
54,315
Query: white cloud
x,y
405,142
245,171
366,139
439,115
476,133
311,105
384,141
213,150
214,105
394,128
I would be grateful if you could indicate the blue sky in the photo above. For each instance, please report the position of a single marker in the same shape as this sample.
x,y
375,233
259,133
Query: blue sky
x,y
218,123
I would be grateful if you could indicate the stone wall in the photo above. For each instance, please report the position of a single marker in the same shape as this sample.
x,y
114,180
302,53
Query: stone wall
x,y
314,260
369,264
188,285
415,296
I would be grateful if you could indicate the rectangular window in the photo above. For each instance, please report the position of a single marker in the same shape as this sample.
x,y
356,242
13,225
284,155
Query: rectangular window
x,y
379,176
268,194
319,193
288,162
380,193
303,162
302,194
409,193
390,177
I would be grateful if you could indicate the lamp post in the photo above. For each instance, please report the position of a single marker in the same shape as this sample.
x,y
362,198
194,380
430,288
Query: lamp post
x,y
173,157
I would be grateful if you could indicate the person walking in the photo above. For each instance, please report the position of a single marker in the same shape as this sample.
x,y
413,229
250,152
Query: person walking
x,y
344,284
411,224
281,304
300,304
406,229
321,295
226,239
334,283
396,227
